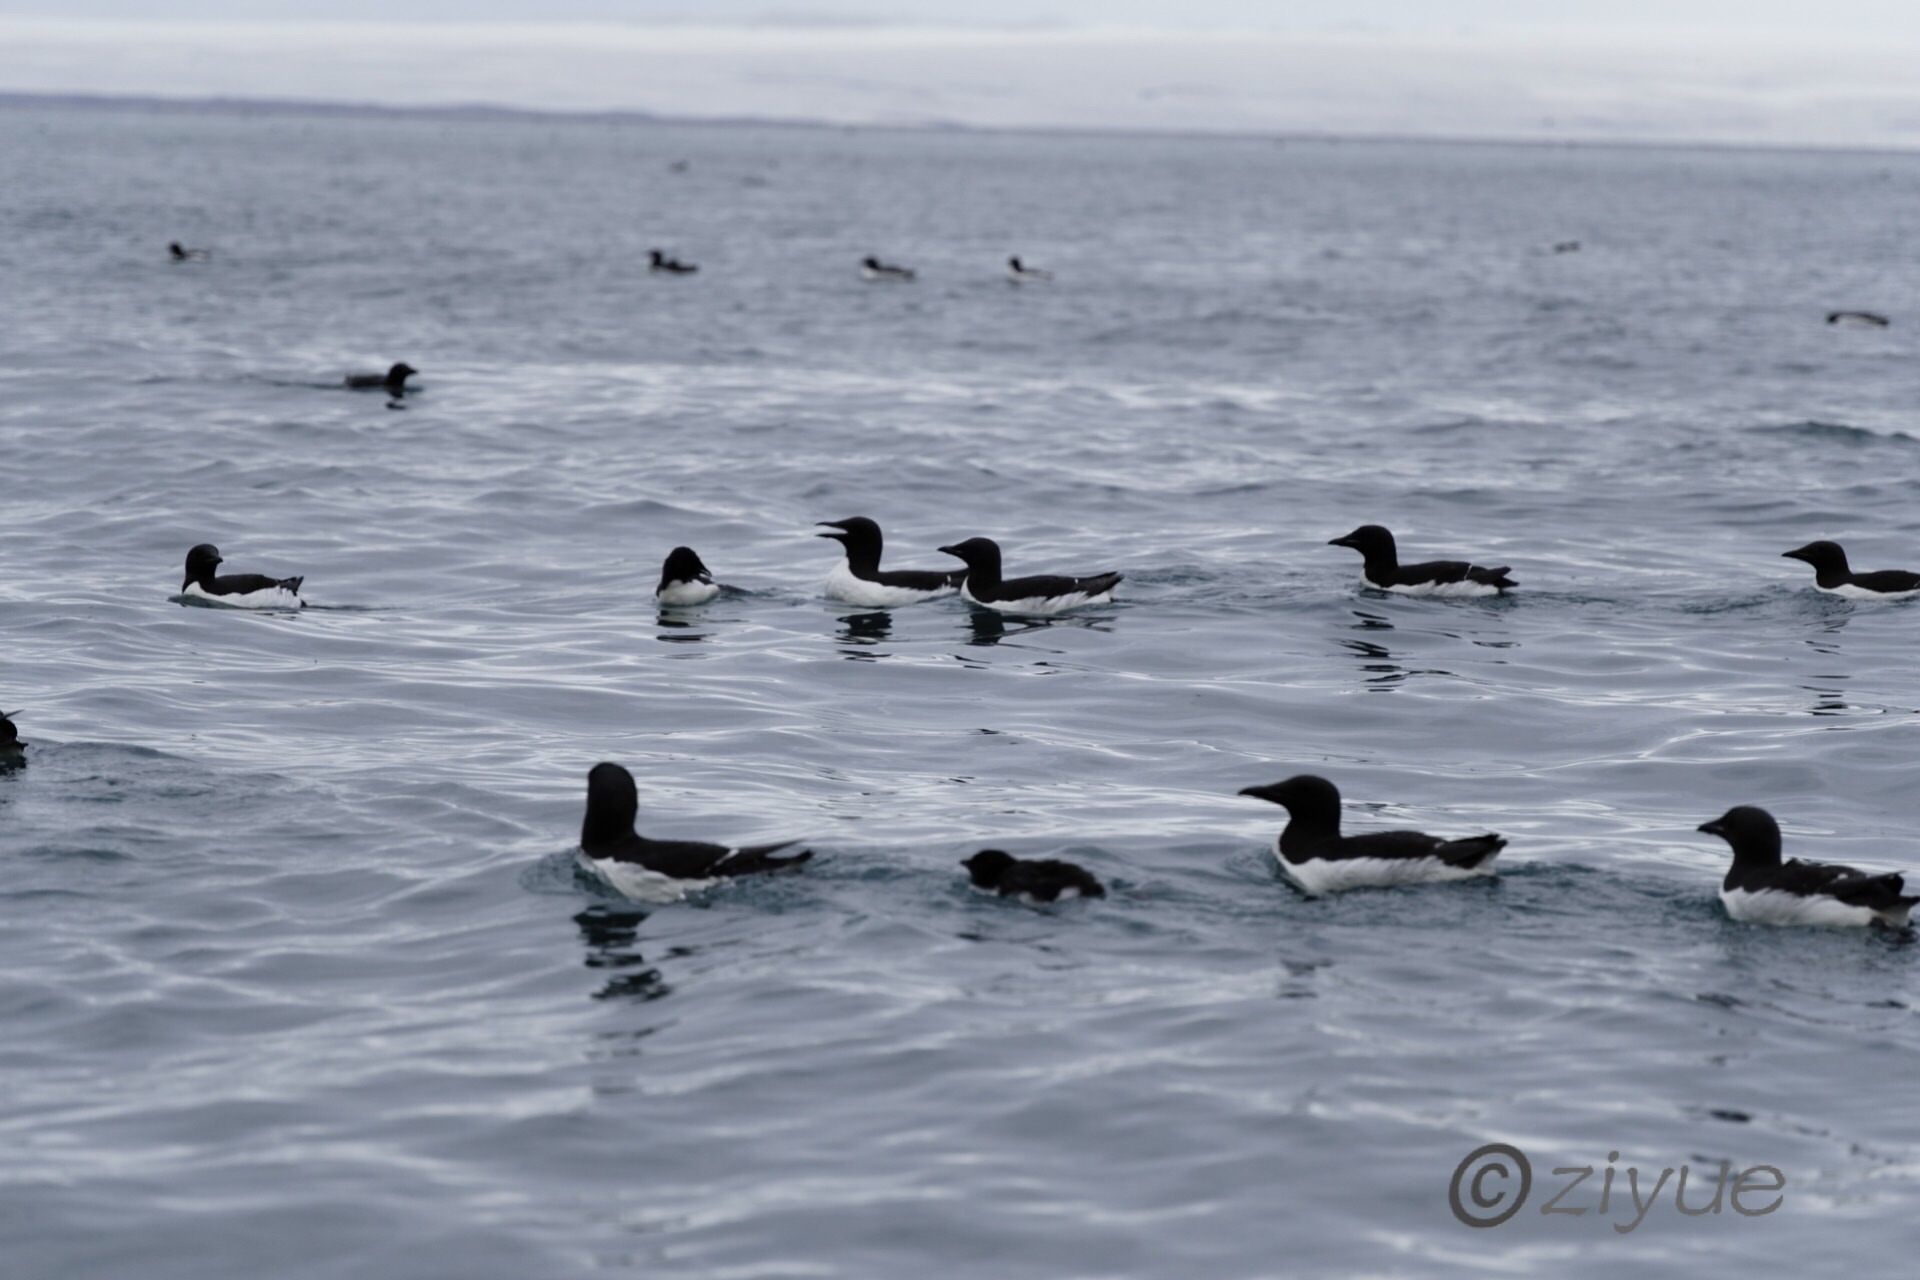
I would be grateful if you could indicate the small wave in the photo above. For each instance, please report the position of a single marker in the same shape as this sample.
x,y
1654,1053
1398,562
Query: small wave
x,y
1835,432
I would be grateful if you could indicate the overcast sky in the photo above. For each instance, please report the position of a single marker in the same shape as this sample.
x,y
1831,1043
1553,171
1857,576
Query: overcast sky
x,y
1842,72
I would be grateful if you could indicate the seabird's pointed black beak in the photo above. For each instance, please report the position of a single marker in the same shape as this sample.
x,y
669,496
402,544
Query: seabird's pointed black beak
x,y
1258,793
951,552
1347,541
1791,555
1713,828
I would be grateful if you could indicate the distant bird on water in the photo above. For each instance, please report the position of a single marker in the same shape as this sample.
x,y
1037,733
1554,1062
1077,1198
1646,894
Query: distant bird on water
x,y
1021,274
242,590
1040,595
660,262
180,254
393,381
874,269
1381,569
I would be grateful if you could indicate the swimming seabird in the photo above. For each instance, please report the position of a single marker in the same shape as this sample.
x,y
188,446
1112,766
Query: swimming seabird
x,y
243,590
1830,574
1038,596
393,381
874,269
1319,859
1021,274
859,579
10,743
684,580
1041,879
1383,571
1764,890
628,860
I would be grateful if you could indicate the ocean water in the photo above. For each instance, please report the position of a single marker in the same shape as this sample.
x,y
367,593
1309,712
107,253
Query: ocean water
x,y
301,979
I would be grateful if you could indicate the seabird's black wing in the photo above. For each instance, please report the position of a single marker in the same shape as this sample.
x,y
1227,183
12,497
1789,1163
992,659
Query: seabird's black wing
x,y
1850,885
1468,852
1051,586
1888,580
756,859
1454,571
680,859
240,584
919,579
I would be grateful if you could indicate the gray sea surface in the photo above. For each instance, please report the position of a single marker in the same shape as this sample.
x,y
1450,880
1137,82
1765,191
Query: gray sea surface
x,y
301,979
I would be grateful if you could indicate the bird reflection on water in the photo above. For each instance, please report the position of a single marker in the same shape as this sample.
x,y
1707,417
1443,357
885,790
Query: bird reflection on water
x,y
612,934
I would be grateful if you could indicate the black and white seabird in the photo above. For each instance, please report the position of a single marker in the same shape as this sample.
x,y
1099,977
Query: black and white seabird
x,y
1041,879
684,580
658,261
1319,859
243,590
639,867
860,580
1862,319
1830,574
1038,596
1383,571
1020,274
1764,890
181,254
393,381
874,269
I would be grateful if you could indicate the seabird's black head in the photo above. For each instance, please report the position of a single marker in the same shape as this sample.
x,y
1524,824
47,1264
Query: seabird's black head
x,y
612,804
859,536
852,529
979,553
871,264
9,735
683,565
1823,556
1369,540
201,562
177,252
1014,262
1752,832
1303,795
658,258
400,373
987,866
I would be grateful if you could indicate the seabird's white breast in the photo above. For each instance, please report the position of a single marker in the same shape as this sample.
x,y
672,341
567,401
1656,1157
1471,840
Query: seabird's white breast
x,y
842,585
680,594
271,598
1775,906
1321,875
